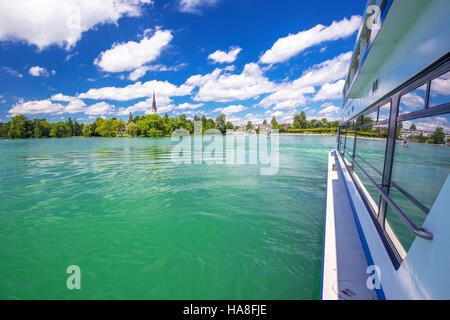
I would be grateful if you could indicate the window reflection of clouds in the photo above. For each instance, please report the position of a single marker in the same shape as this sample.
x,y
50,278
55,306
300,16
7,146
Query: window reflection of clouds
x,y
414,100
430,124
440,90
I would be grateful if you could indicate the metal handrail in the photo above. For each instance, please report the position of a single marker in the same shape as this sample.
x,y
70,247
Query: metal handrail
x,y
399,188
420,232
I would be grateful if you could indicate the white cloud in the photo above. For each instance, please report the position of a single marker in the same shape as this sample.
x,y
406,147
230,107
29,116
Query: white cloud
x,y
287,47
189,106
330,91
47,106
430,124
330,112
163,89
222,86
133,55
412,99
36,107
37,71
74,105
140,72
100,109
47,22
225,57
193,6
230,109
12,72
290,95
441,85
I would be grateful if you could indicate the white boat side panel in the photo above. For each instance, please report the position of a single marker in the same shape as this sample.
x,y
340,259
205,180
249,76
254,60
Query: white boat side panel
x,y
428,262
393,61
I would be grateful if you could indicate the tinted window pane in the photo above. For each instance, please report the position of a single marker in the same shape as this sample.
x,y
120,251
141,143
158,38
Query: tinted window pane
x,y
413,101
440,90
384,112
421,168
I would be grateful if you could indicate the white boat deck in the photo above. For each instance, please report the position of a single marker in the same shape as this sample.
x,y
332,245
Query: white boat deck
x,y
345,265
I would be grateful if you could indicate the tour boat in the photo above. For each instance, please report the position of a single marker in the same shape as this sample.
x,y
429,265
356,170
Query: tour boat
x,y
387,225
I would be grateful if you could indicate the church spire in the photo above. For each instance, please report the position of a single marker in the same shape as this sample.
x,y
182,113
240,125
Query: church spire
x,y
154,109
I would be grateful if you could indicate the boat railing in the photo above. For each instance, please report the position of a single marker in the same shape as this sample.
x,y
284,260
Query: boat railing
x,y
420,232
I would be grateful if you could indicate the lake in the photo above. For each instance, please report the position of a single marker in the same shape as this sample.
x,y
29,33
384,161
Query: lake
x,y
140,226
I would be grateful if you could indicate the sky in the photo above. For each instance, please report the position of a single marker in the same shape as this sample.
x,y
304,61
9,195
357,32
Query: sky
x,y
248,59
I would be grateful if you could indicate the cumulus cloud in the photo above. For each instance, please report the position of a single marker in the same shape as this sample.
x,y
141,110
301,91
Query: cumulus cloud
x,y
225,57
222,86
230,109
48,22
100,109
163,89
189,106
133,55
287,47
48,106
36,107
194,6
330,91
430,124
74,105
290,95
329,112
37,71
140,72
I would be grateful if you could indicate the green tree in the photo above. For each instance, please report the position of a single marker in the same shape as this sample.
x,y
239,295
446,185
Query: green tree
x,y
70,124
229,125
130,117
41,128
204,121
221,123
132,129
77,128
300,121
110,127
20,128
249,125
275,124
87,130
438,136
151,125
4,129
60,130
412,127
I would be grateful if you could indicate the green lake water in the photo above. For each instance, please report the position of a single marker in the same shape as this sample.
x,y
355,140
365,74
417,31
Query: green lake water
x,y
140,226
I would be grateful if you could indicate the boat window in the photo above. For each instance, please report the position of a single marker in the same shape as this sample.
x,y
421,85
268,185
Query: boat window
x,y
440,90
369,153
421,166
350,140
413,101
384,112
371,117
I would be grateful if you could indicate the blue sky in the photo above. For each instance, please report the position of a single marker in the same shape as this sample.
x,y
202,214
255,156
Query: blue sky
x,y
248,59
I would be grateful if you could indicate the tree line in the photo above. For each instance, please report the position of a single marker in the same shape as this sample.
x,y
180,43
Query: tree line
x,y
151,125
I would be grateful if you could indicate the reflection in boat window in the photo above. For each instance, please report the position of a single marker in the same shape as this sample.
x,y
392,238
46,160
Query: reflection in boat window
x,y
414,100
440,90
